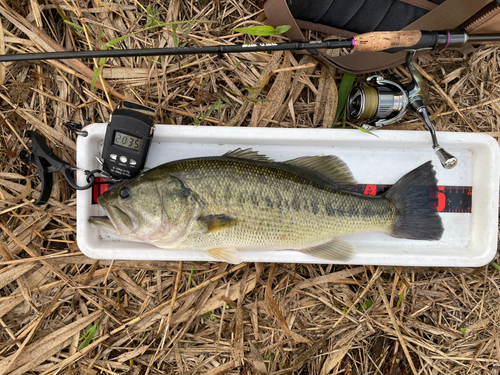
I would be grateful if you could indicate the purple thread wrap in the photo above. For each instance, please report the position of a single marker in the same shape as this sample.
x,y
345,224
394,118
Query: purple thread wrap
x,y
353,43
448,41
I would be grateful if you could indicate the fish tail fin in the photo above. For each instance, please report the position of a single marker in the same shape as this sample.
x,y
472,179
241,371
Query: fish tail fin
x,y
415,218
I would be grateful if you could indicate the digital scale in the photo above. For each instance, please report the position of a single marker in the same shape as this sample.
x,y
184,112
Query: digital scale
x,y
127,140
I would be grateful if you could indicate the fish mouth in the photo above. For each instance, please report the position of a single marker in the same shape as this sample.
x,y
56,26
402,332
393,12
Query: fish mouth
x,y
118,221
102,222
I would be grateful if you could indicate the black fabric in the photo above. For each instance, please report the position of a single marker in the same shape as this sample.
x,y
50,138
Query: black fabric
x,y
399,16
358,16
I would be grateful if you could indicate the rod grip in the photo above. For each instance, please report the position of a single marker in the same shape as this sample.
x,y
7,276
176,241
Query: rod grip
x,y
383,40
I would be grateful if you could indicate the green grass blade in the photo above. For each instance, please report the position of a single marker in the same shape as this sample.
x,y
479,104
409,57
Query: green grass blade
x,y
363,130
95,76
114,41
257,30
495,266
78,27
89,336
344,90
210,110
400,299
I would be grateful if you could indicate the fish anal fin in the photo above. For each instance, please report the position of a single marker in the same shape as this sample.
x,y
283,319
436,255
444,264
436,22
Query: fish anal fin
x,y
213,223
225,254
329,166
248,154
334,250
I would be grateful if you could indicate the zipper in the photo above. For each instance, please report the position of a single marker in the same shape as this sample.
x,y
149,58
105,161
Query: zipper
x,y
480,17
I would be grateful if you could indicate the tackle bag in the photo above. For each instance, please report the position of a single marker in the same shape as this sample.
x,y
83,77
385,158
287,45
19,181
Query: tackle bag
x,y
346,18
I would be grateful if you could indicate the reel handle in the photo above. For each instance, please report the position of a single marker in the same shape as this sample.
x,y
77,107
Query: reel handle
x,y
448,161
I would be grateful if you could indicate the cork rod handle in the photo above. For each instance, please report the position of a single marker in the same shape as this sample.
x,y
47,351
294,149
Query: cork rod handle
x,y
382,40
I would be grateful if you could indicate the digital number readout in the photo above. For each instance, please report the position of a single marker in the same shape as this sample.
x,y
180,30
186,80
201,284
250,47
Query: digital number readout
x,y
127,141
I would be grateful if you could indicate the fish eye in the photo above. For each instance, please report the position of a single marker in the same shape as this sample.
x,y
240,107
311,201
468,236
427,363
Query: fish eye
x,y
125,192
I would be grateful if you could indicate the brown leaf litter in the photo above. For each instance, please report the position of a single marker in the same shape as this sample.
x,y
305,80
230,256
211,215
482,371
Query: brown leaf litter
x,y
61,312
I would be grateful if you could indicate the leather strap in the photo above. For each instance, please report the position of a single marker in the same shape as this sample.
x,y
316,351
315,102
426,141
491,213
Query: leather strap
x,y
448,15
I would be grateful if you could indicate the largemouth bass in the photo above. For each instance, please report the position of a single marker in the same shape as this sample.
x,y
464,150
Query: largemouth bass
x,y
245,201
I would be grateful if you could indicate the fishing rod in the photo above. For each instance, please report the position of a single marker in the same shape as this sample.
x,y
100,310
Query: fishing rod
x,y
389,41
378,103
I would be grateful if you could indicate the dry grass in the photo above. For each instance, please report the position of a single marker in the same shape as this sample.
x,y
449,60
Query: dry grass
x,y
61,312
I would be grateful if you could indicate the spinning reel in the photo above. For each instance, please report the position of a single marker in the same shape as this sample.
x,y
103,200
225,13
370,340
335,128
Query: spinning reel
x,y
383,102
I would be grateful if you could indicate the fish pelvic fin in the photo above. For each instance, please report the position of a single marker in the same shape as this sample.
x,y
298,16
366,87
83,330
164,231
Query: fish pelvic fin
x,y
334,250
213,223
415,218
225,254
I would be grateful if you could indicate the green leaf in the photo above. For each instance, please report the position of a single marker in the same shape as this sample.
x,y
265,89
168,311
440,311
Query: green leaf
x,y
95,76
400,299
282,29
89,336
78,27
226,100
269,356
344,90
495,266
257,30
365,306
100,35
360,128
463,330
114,41
210,110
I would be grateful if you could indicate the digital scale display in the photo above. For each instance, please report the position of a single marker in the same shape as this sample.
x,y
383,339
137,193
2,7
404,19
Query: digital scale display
x,y
127,141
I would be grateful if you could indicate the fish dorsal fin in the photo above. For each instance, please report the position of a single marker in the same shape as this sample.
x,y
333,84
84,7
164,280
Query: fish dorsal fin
x,y
248,154
328,166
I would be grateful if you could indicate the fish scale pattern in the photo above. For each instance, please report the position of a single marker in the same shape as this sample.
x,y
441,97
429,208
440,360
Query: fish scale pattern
x,y
273,208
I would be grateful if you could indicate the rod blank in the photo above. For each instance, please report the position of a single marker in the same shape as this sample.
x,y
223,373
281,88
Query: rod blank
x,y
329,44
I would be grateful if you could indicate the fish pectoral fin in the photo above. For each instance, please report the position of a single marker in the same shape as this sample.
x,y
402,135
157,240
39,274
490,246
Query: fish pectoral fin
x,y
226,254
213,223
334,250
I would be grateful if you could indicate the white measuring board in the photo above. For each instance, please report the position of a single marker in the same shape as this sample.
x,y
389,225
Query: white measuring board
x,y
469,239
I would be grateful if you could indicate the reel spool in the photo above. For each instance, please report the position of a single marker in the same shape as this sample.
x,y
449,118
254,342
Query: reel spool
x,y
383,102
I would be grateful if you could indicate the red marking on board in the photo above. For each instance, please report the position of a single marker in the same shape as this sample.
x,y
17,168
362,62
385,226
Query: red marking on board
x,y
370,190
442,198
98,189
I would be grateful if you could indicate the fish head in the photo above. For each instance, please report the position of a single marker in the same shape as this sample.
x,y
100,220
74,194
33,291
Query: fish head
x,y
149,208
